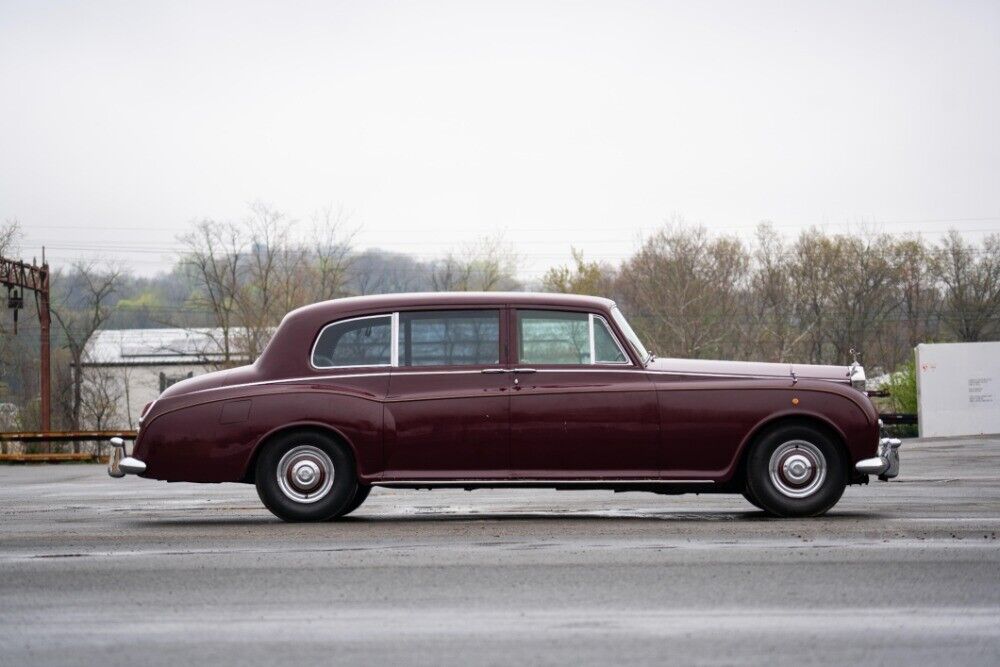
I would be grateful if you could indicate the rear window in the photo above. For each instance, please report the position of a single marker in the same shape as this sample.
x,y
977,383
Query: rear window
x,y
364,341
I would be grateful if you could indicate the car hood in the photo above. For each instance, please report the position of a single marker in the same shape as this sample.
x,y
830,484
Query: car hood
x,y
754,369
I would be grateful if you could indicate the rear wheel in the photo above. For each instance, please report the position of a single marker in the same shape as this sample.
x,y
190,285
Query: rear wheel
x,y
305,476
795,470
359,497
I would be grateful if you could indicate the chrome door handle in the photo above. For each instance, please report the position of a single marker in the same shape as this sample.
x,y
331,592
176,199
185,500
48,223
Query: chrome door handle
x,y
495,371
524,370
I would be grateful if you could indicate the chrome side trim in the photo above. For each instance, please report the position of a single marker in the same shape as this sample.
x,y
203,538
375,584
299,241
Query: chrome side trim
x,y
313,378
399,372
307,378
142,417
579,369
737,375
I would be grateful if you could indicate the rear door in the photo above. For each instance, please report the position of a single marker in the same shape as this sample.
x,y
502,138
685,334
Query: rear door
x,y
581,408
447,413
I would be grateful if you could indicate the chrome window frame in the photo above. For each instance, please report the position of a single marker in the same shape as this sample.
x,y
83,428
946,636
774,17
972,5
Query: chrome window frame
x,y
590,333
393,324
499,310
618,344
626,327
393,340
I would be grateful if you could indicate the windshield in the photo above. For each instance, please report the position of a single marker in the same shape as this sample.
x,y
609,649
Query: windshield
x,y
633,340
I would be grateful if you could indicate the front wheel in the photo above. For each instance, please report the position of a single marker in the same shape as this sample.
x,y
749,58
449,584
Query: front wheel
x,y
795,471
305,476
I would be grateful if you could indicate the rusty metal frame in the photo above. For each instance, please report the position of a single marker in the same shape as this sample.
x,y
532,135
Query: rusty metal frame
x,y
15,273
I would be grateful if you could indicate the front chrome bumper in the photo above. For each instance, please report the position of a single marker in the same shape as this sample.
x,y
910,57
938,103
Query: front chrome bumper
x,y
120,465
886,464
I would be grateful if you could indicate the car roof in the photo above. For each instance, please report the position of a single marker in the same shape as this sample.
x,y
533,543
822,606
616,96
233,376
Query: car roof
x,y
385,302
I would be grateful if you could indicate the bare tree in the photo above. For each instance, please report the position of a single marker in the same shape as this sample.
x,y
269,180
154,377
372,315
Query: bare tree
x,y
102,398
916,316
259,297
487,265
332,251
773,331
10,234
213,256
971,279
382,272
862,295
81,310
684,290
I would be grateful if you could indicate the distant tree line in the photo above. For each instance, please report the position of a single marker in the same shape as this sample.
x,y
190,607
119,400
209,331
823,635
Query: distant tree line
x,y
688,292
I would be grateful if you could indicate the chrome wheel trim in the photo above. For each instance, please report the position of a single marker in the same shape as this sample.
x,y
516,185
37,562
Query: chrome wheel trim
x,y
797,468
305,474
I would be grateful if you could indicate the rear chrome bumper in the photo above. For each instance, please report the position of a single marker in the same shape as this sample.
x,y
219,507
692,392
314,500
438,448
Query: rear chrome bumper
x,y
886,464
120,465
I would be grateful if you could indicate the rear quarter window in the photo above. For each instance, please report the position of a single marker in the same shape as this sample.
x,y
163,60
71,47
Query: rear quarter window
x,y
363,341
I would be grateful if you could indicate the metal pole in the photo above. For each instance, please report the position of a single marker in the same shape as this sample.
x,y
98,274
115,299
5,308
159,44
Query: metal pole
x,y
44,321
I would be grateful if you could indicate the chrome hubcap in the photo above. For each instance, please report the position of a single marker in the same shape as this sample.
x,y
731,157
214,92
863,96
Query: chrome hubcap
x,y
305,474
797,468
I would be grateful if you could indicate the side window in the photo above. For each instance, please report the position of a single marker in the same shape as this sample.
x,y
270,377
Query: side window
x,y
552,337
449,338
606,350
365,341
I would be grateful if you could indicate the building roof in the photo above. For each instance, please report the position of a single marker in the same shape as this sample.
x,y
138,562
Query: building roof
x,y
127,347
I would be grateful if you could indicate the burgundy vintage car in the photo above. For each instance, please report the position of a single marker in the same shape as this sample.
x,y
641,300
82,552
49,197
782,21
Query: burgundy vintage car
x,y
474,390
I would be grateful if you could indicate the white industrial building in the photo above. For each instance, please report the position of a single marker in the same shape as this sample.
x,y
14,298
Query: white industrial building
x,y
124,369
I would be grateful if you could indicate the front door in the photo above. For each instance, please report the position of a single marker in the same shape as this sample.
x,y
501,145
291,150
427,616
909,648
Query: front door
x,y
581,408
447,413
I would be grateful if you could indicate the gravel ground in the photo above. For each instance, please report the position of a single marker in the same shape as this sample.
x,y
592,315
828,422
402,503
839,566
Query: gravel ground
x,y
102,571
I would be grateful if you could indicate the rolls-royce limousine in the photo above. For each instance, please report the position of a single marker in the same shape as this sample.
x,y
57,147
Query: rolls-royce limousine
x,y
474,390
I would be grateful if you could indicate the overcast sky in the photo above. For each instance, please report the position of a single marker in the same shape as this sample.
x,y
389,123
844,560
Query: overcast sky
x,y
583,123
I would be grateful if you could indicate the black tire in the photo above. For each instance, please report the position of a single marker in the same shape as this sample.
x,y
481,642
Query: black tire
x,y
359,497
331,488
809,472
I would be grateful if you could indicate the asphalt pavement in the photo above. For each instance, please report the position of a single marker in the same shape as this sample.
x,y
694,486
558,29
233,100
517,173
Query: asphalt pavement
x,y
95,571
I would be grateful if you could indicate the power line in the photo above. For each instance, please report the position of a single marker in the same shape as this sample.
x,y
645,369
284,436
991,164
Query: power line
x,y
806,224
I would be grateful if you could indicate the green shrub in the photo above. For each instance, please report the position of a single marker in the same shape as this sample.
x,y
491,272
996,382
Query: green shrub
x,y
903,392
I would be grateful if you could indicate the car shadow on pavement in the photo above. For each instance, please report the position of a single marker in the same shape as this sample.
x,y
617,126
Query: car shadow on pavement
x,y
548,516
